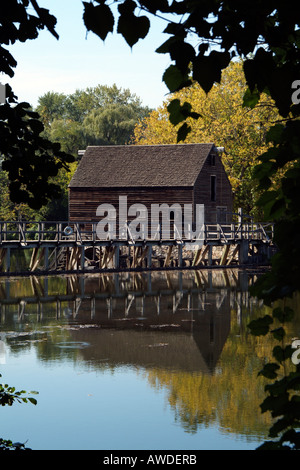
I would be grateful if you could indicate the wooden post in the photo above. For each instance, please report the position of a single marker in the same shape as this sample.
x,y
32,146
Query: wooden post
x,y
197,257
2,256
78,260
243,251
59,237
168,257
33,258
74,258
240,221
180,255
104,257
46,258
235,250
111,253
224,255
209,261
36,258
134,257
202,255
240,215
149,256
142,256
70,259
82,258
117,257
67,257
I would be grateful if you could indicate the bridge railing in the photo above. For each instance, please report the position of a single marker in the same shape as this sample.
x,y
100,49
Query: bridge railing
x,y
26,232
232,232
58,231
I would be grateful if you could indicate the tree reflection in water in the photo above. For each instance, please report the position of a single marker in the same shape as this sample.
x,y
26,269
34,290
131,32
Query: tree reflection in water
x,y
183,331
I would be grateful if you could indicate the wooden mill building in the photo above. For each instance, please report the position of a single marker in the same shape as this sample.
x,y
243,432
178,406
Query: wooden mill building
x,y
151,174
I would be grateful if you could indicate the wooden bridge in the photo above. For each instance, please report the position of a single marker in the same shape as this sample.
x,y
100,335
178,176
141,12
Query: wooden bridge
x,y
65,246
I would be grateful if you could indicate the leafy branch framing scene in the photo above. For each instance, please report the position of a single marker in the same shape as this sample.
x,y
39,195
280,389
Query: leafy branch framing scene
x,y
230,79
8,396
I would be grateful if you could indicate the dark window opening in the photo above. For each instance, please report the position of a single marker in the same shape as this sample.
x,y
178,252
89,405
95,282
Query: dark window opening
x,y
213,180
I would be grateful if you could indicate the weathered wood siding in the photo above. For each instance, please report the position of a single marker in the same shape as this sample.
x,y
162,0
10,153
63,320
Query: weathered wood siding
x,y
202,194
83,203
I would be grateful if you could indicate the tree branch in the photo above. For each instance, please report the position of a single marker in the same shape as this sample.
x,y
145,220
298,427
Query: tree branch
x,y
41,14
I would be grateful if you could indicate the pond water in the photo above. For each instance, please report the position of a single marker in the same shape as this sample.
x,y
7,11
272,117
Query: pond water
x,y
158,361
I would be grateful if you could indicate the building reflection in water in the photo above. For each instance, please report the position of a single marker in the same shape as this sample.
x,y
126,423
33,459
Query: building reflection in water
x,y
174,320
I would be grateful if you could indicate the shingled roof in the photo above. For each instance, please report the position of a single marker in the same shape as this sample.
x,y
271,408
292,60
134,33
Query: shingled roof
x,y
119,166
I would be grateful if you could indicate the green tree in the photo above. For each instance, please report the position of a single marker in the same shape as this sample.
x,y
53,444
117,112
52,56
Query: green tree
x,y
28,158
8,209
111,125
52,106
102,115
57,209
81,102
69,134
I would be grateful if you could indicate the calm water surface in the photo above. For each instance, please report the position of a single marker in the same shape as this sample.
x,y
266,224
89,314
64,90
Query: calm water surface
x,y
159,361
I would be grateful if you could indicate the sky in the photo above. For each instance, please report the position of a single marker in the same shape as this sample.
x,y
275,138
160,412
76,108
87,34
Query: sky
x,y
79,59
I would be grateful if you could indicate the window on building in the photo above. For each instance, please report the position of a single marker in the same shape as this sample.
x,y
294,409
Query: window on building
x,y
213,181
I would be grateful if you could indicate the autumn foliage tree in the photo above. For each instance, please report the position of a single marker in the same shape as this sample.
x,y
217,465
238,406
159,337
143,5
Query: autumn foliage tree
x,y
224,121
